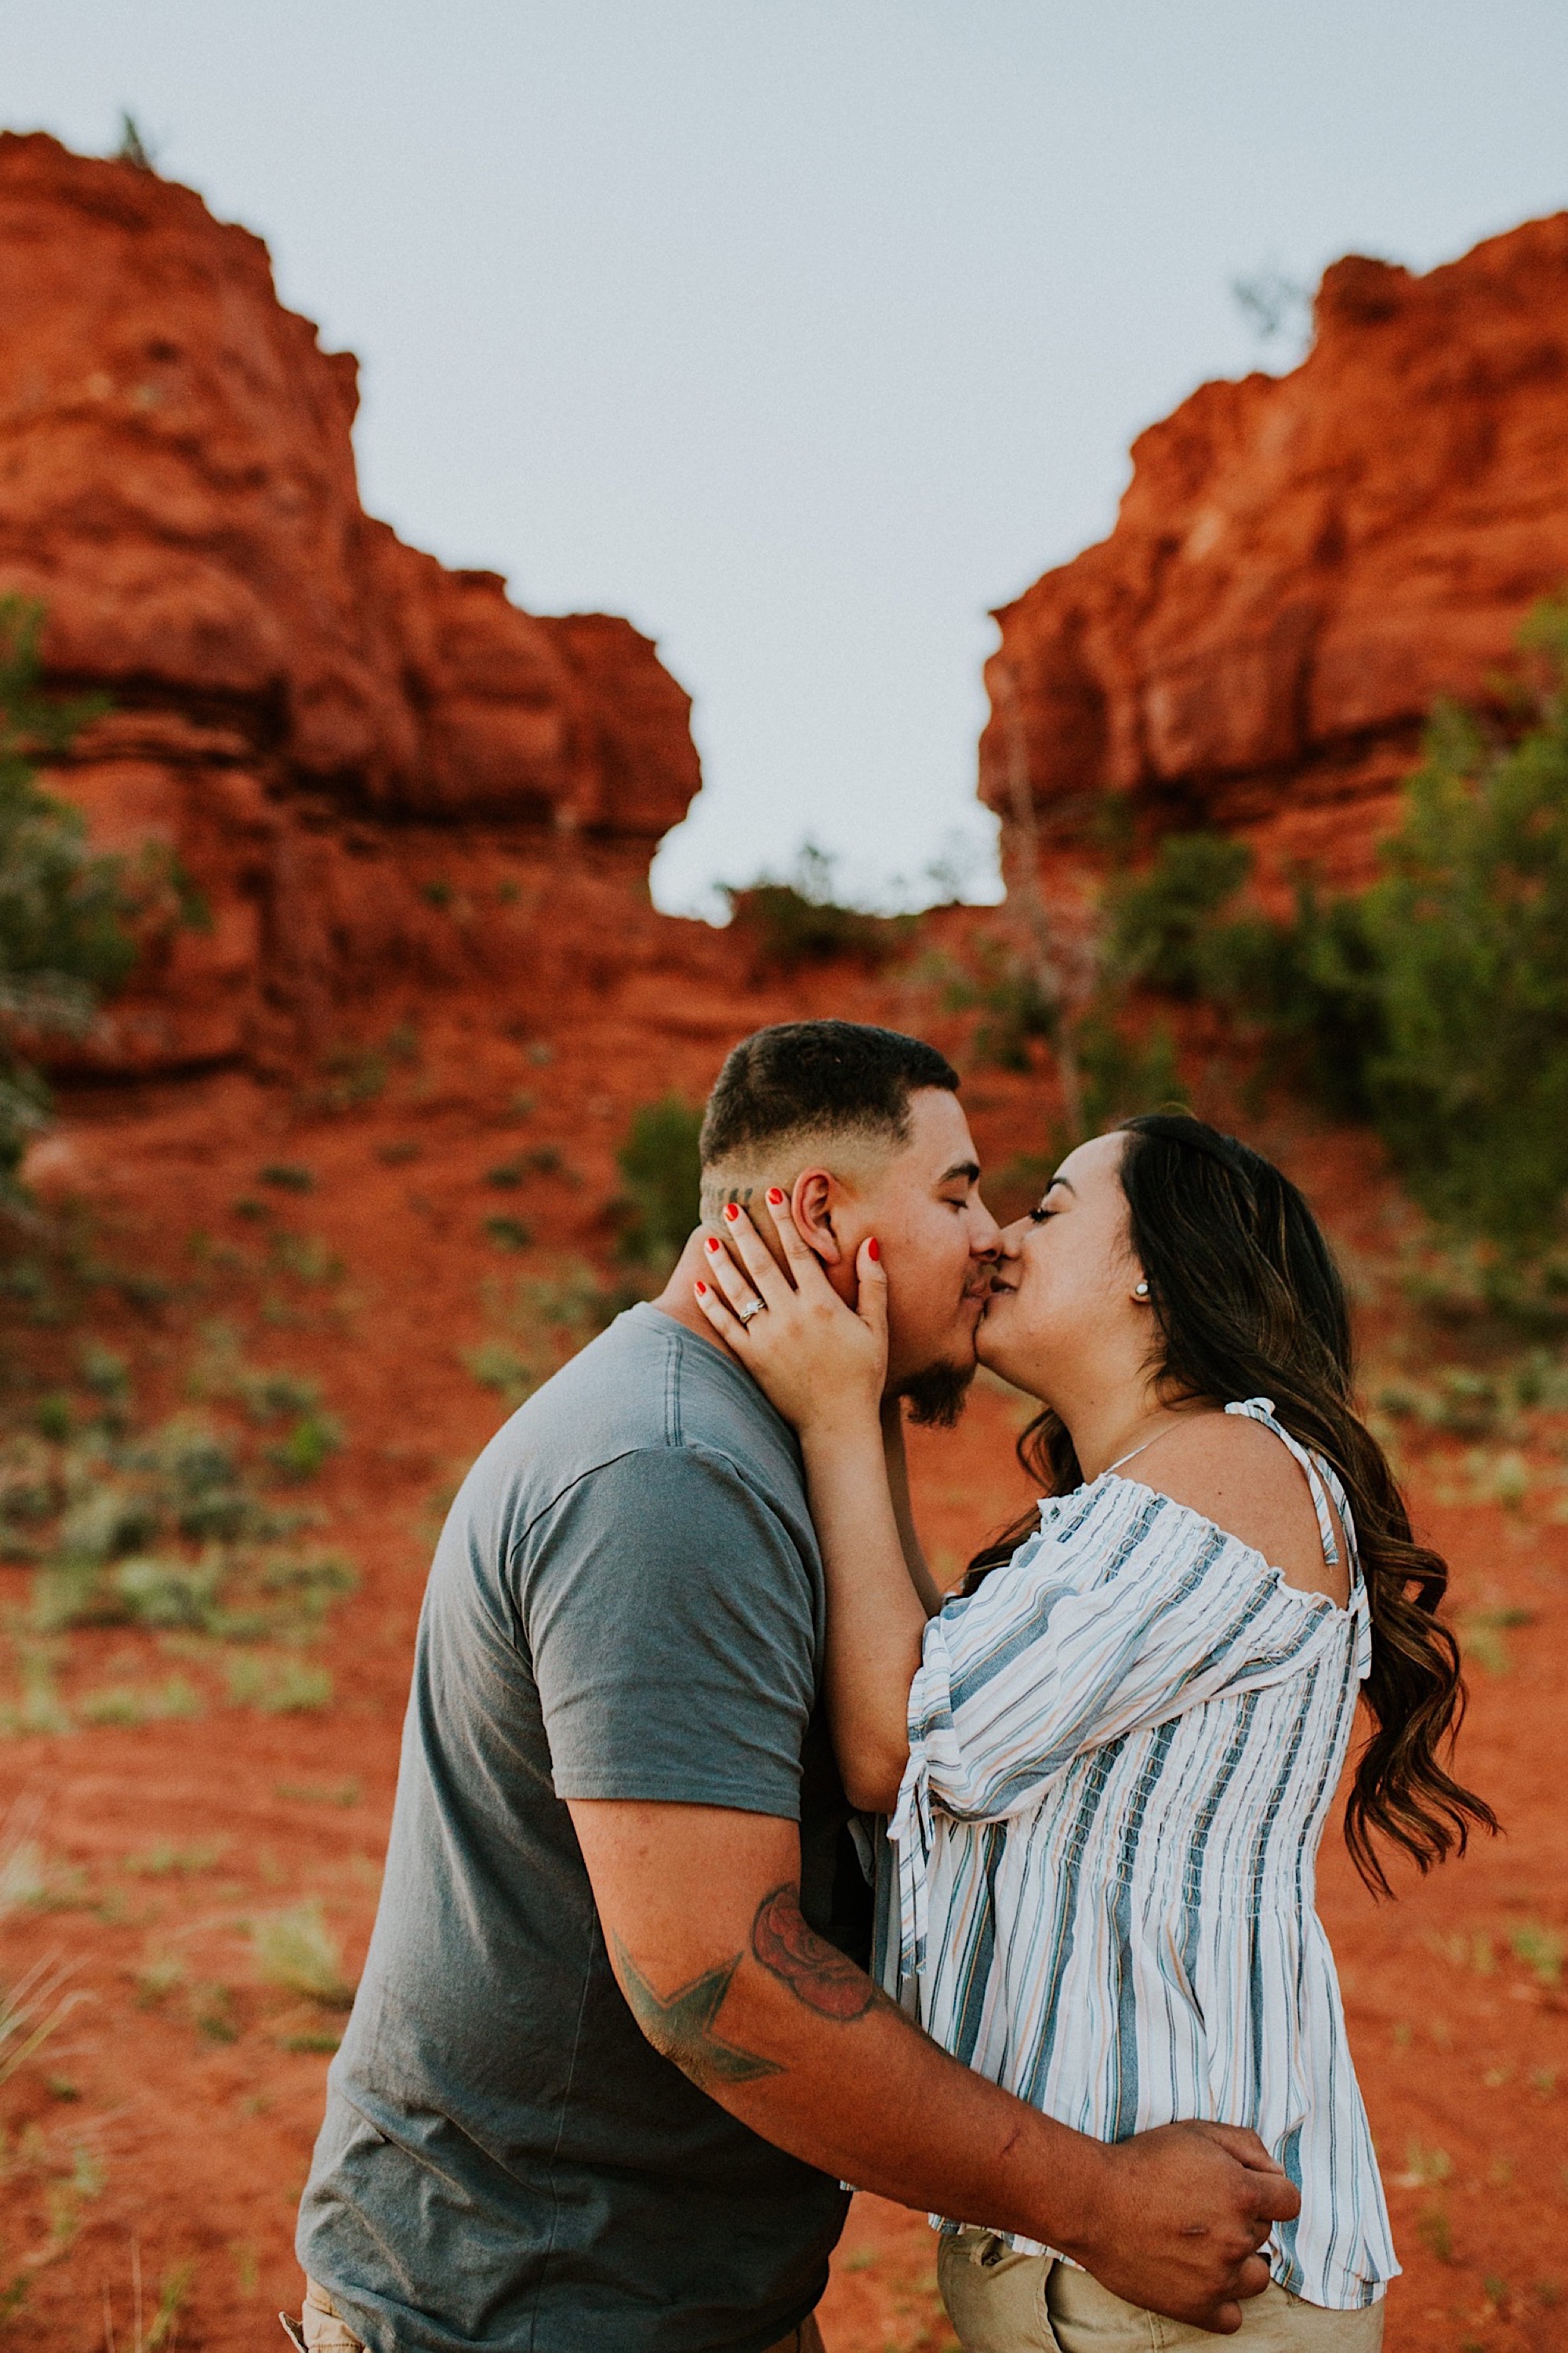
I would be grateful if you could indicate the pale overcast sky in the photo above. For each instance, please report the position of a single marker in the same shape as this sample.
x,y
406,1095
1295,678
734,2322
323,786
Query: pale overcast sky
x,y
802,330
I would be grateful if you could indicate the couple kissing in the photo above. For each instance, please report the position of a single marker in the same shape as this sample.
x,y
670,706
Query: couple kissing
x,y
733,1864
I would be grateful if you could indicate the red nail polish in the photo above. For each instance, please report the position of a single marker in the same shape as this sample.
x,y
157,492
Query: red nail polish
x,y
874,1248
730,1211
774,1196
701,1289
711,1243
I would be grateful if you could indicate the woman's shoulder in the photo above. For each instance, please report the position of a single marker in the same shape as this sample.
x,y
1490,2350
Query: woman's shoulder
x,y
1236,1473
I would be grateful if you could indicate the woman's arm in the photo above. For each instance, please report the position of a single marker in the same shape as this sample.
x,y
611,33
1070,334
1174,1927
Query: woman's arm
x,y
875,1619
823,1365
898,1468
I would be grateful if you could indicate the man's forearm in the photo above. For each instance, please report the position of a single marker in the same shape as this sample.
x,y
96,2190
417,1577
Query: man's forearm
x,y
789,2035
794,2038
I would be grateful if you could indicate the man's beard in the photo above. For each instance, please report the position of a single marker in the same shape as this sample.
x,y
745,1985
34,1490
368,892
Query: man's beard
x,y
938,1396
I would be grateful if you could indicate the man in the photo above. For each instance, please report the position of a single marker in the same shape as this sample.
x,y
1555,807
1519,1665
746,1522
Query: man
x,y
615,2046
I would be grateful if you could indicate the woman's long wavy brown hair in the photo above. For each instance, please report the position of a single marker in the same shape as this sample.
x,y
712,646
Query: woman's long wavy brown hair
x,y
1248,1303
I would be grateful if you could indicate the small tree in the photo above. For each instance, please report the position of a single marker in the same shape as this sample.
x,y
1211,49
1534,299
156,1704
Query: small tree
x,y
63,909
1467,931
799,921
1434,1005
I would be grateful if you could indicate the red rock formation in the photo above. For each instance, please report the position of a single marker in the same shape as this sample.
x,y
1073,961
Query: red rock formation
x,y
1302,563
328,725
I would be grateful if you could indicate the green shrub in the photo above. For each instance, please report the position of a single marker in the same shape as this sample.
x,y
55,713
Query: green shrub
x,y
1122,1073
1434,1004
798,920
165,1594
1469,927
108,1519
306,1584
165,1532
106,1373
164,1859
661,1170
306,1257
535,1325
574,1305
127,1706
298,1950
1310,983
65,912
357,1075
304,1451
53,1417
286,1177
1161,924
31,1492
212,2014
495,1366
1542,1949
1011,1000
279,1687
509,1233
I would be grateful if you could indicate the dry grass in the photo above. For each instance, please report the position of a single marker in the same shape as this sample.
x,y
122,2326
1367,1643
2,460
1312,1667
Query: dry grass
x,y
298,1950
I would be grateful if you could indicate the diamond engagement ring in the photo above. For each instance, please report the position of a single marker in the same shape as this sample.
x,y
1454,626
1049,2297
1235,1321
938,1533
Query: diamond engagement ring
x,y
752,1308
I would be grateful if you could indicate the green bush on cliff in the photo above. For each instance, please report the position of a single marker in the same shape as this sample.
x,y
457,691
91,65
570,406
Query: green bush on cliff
x,y
799,921
63,936
1434,1004
1466,933
1161,924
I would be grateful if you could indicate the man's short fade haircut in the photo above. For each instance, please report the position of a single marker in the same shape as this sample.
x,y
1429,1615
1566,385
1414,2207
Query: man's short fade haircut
x,y
802,1076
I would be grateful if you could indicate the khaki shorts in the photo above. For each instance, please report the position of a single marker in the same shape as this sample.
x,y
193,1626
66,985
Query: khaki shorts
x,y
1000,2302
323,2331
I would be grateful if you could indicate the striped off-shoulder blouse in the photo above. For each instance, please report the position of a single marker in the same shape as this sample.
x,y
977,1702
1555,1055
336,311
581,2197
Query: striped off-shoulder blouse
x,y
1123,1748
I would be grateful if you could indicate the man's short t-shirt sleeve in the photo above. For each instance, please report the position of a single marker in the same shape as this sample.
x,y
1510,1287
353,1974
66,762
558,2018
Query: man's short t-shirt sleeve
x,y
671,1623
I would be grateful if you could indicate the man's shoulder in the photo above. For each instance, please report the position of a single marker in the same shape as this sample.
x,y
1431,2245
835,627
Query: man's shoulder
x,y
612,1397
648,1406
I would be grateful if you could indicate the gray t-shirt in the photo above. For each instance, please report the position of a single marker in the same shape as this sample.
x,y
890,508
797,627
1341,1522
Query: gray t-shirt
x,y
627,1601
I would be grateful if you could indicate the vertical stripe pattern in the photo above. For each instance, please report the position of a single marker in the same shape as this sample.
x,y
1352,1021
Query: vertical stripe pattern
x,y
1123,1749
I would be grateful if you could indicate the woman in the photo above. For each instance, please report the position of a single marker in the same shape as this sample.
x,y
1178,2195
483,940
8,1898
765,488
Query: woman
x,y
1109,1763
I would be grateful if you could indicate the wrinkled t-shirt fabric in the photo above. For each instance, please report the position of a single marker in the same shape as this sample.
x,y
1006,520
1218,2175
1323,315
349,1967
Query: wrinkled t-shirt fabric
x,y
627,1602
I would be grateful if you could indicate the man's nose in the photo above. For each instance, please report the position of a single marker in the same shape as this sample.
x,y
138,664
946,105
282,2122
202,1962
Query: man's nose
x,y
986,1237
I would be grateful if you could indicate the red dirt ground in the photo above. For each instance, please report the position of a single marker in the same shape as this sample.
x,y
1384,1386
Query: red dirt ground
x,y
188,2150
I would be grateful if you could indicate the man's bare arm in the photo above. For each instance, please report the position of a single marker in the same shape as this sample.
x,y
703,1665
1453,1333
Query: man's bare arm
x,y
726,1977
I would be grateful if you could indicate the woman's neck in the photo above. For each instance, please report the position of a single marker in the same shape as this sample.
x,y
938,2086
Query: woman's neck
x,y
1104,1435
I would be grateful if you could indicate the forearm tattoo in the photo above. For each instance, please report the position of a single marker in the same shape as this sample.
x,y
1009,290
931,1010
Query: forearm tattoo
x,y
681,2025
816,1972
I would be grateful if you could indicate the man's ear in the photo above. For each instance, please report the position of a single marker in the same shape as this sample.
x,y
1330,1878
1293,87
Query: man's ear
x,y
813,1198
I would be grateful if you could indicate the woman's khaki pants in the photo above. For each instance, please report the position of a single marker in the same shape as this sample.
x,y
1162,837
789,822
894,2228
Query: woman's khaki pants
x,y
1000,2302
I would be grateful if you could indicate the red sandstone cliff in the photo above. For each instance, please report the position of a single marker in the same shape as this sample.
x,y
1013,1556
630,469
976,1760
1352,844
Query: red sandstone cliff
x,y
330,727
1301,564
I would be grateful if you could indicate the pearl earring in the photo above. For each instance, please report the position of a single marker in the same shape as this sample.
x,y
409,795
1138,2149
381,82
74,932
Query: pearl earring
x,y
1140,1290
